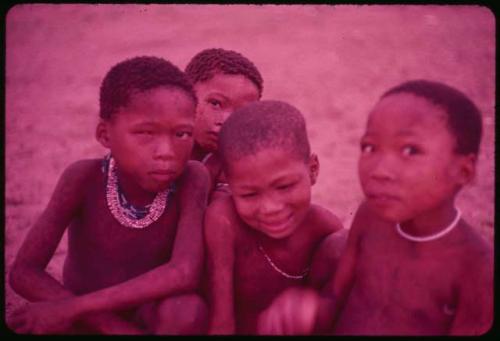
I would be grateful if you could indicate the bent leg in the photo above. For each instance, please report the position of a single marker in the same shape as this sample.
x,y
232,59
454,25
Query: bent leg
x,y
179,315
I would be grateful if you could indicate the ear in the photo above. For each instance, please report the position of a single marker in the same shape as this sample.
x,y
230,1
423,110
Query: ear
x,y
102,133
465,170
313,168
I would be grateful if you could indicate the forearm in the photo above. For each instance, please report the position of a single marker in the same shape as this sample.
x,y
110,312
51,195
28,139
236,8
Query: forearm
x,y
222,321
327,314
166,280
36,284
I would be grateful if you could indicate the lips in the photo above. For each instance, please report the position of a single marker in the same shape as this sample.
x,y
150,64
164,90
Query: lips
x,y
276,225
382,198
162,175
212,135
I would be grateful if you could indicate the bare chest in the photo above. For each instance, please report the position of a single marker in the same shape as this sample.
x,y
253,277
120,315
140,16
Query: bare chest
x,y
258,281
401,286
102,252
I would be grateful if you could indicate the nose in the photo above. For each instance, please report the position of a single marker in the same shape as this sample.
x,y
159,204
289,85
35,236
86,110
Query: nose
x,y
163,148
270,205
383,168
222,117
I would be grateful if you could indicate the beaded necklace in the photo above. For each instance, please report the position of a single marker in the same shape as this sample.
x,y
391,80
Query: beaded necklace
x,y
281,272
123,211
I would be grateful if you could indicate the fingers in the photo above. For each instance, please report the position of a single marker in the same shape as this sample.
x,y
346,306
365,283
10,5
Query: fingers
x,y
292,313
19,322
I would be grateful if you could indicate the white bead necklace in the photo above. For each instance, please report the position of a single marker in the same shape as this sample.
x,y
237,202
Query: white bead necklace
x,y
434,236
155,210
277,269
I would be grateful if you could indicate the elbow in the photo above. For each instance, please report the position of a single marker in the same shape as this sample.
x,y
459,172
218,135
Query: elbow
x,y
15,277
189,275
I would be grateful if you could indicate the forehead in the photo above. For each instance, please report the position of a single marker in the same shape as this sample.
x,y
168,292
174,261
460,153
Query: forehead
x,y
267,164
230,85
408,112
165,101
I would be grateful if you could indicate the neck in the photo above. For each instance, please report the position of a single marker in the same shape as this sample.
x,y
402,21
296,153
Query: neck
x,y
431,221
133,192
198,153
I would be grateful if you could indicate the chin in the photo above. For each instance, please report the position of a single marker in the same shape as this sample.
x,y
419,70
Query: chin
x,y
386,213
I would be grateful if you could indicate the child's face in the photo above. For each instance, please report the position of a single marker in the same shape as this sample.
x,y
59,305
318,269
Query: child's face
x,y
408,165
218,97
151,138
272,190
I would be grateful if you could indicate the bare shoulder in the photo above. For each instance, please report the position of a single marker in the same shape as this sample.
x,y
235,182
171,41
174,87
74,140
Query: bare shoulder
x,y
221,217
195,173
82,170
74,182
475,252
324,219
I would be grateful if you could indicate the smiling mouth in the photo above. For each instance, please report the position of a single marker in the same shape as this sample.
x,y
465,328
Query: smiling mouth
x,y
277,225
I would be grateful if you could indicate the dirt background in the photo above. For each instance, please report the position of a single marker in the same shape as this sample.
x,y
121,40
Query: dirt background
x,y
332,62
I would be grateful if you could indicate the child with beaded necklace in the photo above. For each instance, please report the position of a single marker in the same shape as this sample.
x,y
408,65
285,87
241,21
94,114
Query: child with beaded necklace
x,y
135,247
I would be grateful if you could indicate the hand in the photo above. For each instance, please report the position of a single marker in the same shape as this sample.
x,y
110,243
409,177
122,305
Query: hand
x,y
47,317
292,313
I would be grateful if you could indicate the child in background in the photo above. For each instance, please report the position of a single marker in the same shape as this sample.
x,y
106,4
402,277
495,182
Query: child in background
x,y
412,265
135,245
223,80
266,236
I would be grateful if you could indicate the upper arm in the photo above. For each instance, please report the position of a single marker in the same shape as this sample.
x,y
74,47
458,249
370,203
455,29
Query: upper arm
x,y
474,311
328,252
193,191
344,276
43,238
219,237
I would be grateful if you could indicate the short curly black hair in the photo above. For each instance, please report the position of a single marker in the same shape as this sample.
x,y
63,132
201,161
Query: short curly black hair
x,y
261,125
209,62
139,74
464,118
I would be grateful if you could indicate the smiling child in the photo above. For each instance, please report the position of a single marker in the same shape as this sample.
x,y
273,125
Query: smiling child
x,y
266,236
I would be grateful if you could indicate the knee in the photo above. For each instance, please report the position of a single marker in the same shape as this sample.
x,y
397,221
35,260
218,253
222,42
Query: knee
x,y
186,314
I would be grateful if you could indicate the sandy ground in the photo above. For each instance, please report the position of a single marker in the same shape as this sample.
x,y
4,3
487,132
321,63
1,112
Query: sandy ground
x,y
332,62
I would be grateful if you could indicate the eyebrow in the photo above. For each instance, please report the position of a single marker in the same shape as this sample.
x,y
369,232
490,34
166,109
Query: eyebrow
x,y
286,178
153,124
215,93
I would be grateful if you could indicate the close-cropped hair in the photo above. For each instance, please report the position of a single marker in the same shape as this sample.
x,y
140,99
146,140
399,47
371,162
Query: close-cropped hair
x,y
207,63
262,125
137,75
464,118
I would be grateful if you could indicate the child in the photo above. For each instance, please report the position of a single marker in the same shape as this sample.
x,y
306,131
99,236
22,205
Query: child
x,y
135,247
224,81
266,236
411,266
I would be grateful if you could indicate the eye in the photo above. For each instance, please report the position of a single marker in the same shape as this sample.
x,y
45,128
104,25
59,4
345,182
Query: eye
x,y
410,150
146,132
248,195
183,134
284,186
214,103
367,148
